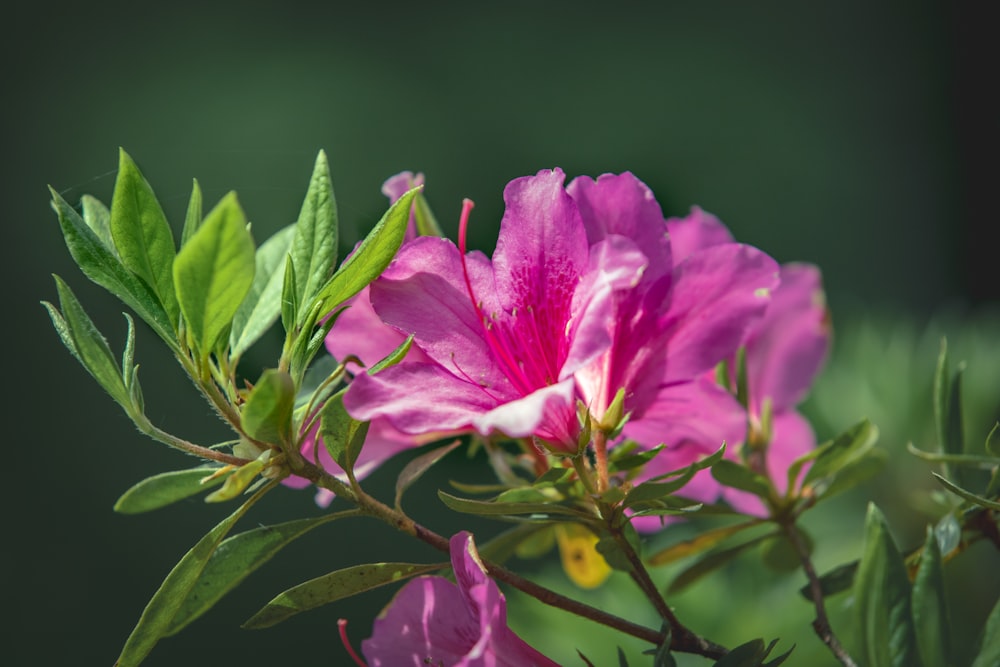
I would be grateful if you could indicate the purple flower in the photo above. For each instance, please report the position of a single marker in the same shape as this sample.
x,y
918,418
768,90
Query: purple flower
x,y
432,621
584,297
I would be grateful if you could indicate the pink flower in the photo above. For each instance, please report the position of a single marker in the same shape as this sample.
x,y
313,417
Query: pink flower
x,y
432,621
583,297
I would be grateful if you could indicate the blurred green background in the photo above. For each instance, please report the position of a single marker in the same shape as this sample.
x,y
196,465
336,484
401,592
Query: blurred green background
x,y
852,135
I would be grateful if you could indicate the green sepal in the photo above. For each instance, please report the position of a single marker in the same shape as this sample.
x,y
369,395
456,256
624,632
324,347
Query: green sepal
x,y
98,218
194,214
699,543
493,507
167,488
262,305
930,607
235,559
313,251
142,234
989,643
882,602
370,258
82,338
418,466
159,613
213,273
104,267
335,586
238,481
267,413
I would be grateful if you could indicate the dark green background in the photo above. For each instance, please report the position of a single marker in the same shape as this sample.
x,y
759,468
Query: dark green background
x,y
849,134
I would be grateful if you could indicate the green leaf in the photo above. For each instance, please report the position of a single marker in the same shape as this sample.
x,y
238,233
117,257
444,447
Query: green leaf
x,y
427,224
98,218
88,345
993,440
494,508
853,473
142,234
342,435
525,540
418,466
780,555
832,457
334,586
314,248
166,488
968,495
886,635
262,305
371,257
989,646
159,613
193,216
289,302
732,474
235,559
103,267
974,460
267,413
699,543
238,481
930,609
711,562
213,273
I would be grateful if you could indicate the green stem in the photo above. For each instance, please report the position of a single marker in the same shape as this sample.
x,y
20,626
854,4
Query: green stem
x,y
179,443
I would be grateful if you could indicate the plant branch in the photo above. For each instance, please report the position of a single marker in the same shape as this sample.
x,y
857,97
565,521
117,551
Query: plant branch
x,y
152,431
822,623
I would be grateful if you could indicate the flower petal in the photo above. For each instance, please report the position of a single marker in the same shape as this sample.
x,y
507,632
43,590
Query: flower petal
x,y
697,231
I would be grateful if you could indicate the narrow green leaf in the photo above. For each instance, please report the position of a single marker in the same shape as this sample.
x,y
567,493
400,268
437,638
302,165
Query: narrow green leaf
x,y
853,473
427,224
371,257
142,234
128,354
193,216
237,482
91,347
750,654
342,435
742,392
98,218
335,586
235,559
700,543
494,508
166,488
886,636
975,460
213,273
393,357
314,248
989,645
267,413
622,660
289,302
711,562
993,440
832,456
930,609
159,613
837,580
418,466
732,474
104,268
262,305
968,495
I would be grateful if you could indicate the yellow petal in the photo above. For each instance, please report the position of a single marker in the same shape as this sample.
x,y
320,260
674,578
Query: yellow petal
x,y
583,564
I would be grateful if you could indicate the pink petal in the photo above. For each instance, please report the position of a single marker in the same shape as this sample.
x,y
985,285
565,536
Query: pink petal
x,y
697,231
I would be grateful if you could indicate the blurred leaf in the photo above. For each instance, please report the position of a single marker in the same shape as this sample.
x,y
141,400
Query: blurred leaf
x,y
213,273
314,248
87,344
159,613
371,257
732,474
948,409
166,488
752,654
948,533
779,553
993,440
98,218
104,268
494,508
581,560
837,580
967,495
537,544
267,414
977,460
418,466
989,646
622,661
854,473
930,609
262,305
342,435
193,215
332,587
631,461
235,559
711,562
886,636
538,537
831,457
699,543
142,234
